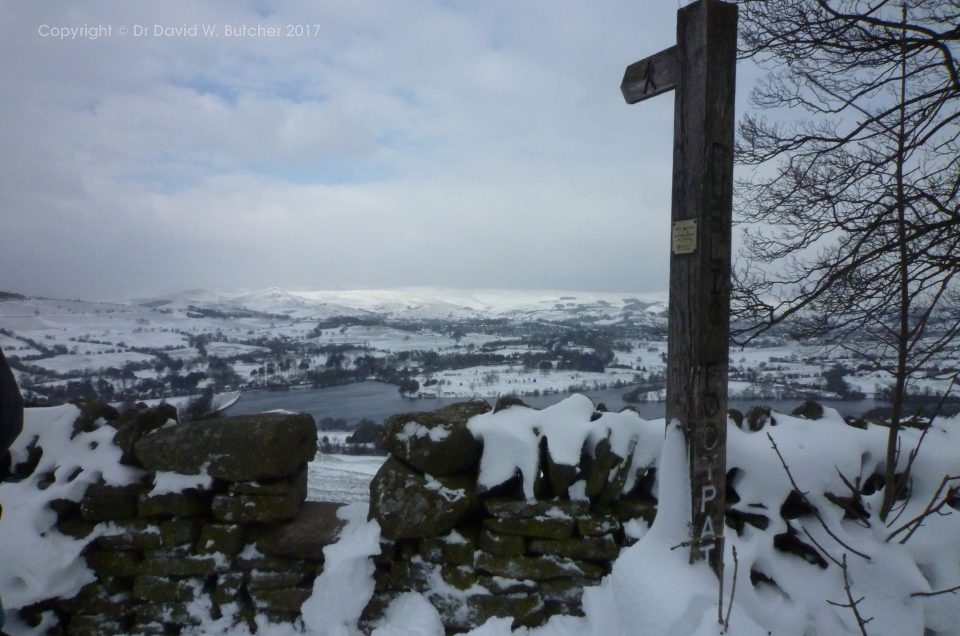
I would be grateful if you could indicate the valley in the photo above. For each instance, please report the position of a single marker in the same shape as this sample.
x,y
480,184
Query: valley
x,y
426,343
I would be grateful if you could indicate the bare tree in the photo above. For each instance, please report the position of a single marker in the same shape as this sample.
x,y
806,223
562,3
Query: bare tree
x,y
850,211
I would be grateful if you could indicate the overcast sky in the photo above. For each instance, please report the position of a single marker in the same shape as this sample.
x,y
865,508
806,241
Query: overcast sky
x,y
383,143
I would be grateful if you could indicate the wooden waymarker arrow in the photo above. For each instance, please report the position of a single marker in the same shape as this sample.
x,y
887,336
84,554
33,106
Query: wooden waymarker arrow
x,y
651,76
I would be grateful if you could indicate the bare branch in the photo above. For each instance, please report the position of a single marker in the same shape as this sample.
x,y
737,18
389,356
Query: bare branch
x,y
806,500
851,603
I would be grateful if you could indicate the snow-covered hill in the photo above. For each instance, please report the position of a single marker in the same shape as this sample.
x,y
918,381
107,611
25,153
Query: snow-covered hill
x,y
425,303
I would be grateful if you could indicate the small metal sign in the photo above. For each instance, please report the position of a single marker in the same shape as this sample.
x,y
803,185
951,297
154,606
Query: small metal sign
x,y
684,237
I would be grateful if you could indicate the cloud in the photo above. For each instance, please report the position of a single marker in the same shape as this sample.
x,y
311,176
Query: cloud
x,y
400,143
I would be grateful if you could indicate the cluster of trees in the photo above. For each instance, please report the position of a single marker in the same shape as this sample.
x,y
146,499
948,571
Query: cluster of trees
x,y
850,204
366,439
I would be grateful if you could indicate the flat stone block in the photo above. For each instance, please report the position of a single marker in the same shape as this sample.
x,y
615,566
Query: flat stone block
x,y
255,508
180,565
281,600
190,503
315,527
110,563
164,590
133,534
273,580
110,503
234,449
222,538
502,544
538,569
595,549
533,527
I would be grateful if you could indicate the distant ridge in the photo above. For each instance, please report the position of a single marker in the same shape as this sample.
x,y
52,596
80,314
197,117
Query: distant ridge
x,y
422,303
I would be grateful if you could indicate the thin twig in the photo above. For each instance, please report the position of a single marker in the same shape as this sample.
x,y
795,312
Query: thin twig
x,y
822,549
949,590
856,498
733,591
932,508
913,453
852,604
816,513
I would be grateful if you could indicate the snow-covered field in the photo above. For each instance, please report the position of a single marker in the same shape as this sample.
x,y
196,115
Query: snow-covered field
x,y
285,337
344,478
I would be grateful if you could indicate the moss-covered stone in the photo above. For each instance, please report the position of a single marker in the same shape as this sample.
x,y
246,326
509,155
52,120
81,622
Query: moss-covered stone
x,y
93,414
452,548
597,467
294,484
414,575
436,442
627,509
274,580
304,537
179,532
227,588
177,564
598,526
220,538
133,534
501,544
521,509
504,585
559,477
136,422
189,503
462,577
172,613
255,508
527,610
110,503
115,563
535,527
164,590
76,528
287,600
408,504
108,597
273,564
235,449
809,410
594,549
616,481
758,417
94,625
459,615
538,569
568,591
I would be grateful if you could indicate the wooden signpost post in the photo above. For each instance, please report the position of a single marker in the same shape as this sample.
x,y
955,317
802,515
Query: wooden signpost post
x,y
701,68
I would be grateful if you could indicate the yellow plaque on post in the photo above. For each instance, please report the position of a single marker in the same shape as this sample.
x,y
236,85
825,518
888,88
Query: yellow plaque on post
x,y
684,237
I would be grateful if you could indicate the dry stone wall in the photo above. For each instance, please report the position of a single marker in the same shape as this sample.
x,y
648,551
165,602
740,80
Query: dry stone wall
x,y
481,552
218,525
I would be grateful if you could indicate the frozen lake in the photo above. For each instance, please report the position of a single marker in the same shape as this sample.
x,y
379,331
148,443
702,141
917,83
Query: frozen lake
x,y
378,401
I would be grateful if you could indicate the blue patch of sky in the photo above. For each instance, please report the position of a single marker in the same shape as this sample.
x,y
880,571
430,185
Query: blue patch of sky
x,y
296,92
207,86
170,181
262,9
172,175
327,172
